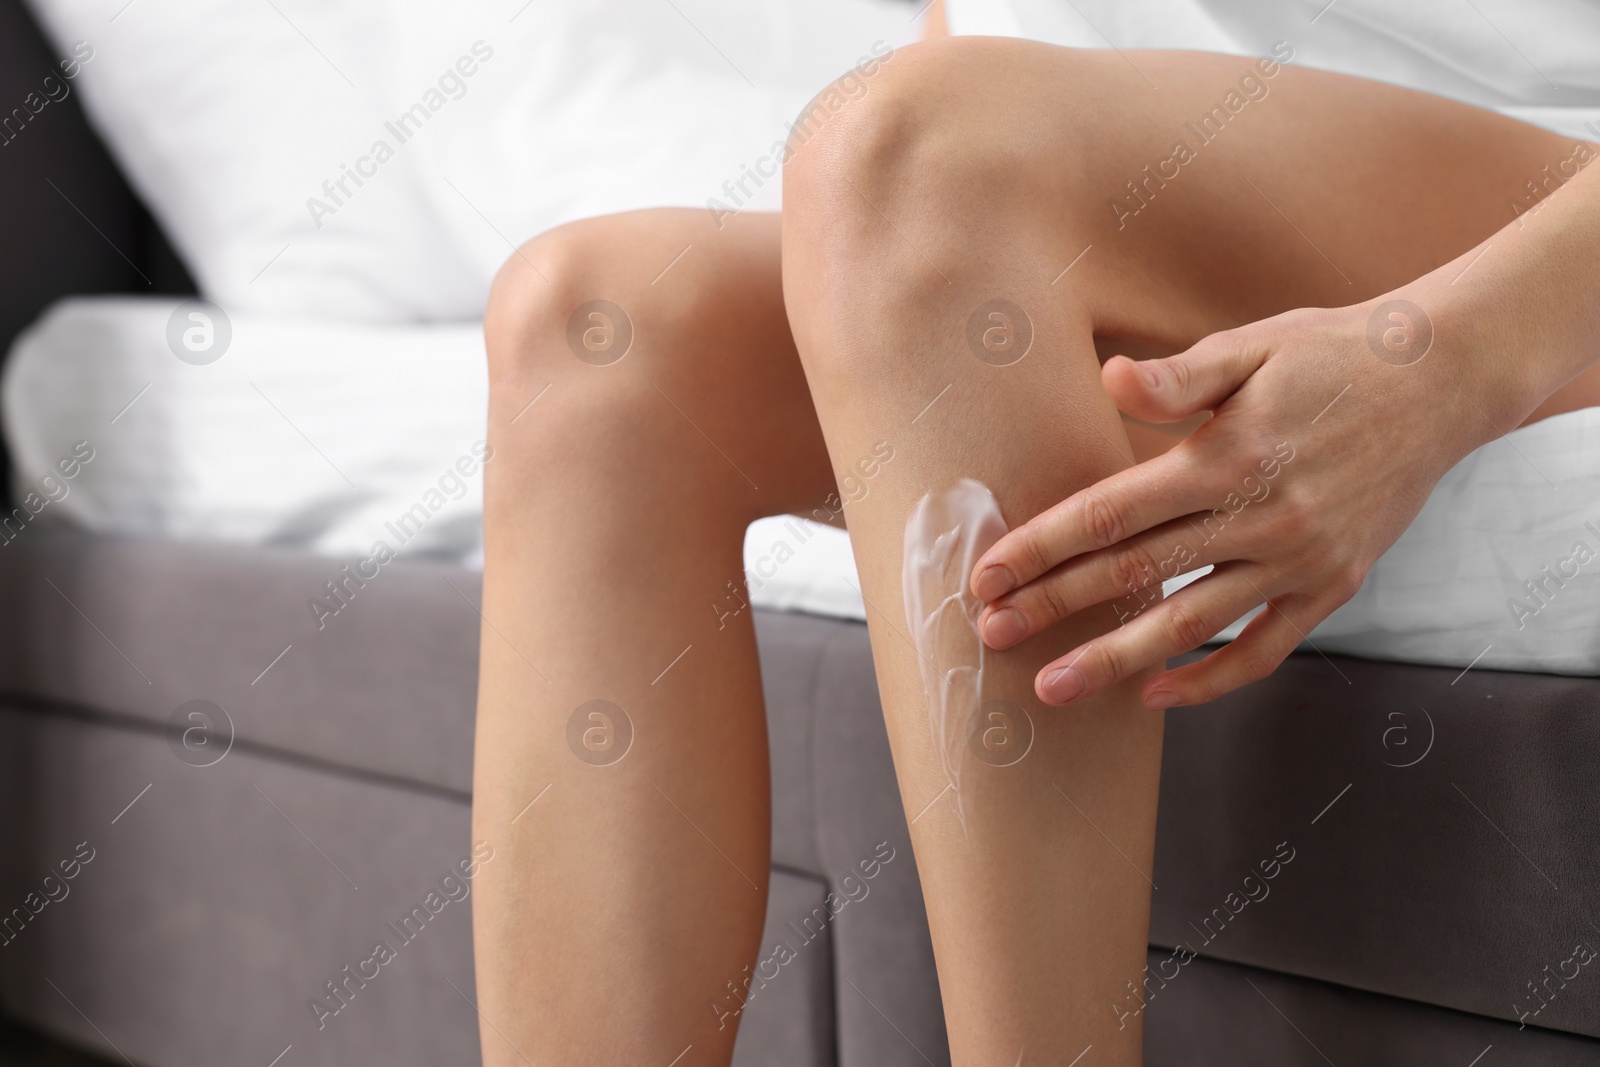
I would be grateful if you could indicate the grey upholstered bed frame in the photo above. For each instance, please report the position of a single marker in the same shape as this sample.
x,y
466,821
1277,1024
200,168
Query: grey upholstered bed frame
x,y
1433,837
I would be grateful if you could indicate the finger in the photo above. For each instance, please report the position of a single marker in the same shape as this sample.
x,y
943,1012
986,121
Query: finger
x,y
1258,651
1112,510
1165,390
1182,622
1127,575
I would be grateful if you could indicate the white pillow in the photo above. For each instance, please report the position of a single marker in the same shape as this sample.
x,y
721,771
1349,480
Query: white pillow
x,y
237,122
606,106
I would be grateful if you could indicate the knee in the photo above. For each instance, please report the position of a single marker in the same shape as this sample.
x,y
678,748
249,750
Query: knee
x,y
941,125
574,309
850,154
562,330
586,351
561,278
897,195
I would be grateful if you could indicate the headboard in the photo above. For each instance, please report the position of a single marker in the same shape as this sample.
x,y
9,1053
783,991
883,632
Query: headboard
x,y
72,225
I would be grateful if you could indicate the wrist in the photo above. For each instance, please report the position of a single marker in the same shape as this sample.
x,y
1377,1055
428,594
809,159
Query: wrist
x,y
1516,317
1490,359
1436,371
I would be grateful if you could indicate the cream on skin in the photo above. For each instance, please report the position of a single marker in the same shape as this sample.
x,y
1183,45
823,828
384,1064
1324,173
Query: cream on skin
x,y
946,534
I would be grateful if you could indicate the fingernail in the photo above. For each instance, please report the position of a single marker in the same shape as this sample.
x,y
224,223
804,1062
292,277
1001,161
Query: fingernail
x,y
1004,628
1063,684
1159,699
995,582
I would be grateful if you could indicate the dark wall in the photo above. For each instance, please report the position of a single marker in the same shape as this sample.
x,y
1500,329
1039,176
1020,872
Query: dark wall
x,y
71,224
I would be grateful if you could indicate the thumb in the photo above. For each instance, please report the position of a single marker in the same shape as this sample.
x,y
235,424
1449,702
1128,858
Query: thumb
x,y
1201,379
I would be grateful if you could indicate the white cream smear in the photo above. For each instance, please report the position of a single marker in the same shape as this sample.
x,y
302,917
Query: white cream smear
x,y
947,532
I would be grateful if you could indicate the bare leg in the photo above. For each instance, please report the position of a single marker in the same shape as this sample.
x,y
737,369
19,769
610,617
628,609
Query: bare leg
x,y
629,878
1035,873
624,894
980,171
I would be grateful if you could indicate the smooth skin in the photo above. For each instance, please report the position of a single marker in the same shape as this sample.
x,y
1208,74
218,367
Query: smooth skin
x,y
625,895
626,892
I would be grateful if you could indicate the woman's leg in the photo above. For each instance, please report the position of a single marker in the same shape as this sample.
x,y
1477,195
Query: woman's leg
x,y
954,242
633,442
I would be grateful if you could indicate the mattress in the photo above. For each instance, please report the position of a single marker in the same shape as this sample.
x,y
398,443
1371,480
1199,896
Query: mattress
x,y
331,437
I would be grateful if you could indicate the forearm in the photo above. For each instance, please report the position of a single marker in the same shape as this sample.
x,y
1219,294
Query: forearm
x,y
1518,316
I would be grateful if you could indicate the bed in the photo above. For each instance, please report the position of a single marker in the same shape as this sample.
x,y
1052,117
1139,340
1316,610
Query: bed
x,y
262,789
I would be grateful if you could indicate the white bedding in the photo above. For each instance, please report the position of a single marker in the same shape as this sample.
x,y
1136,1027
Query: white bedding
x,y
1549,77
238,450
305,432
330,434
375,161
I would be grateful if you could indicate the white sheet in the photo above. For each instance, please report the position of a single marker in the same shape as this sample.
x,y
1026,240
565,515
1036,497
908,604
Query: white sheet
x,y
305,432
240,450
1500,569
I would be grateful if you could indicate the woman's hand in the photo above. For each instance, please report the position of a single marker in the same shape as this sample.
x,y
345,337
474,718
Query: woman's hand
x,y
1330,428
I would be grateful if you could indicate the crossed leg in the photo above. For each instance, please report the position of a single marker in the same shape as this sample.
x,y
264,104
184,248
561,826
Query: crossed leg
x,y
631,848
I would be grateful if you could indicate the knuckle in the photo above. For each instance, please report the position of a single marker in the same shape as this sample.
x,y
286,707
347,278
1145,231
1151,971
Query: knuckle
x,y
1248,668
1110,662
1103,520
1032,550
1346,583
1182,375
1186,628
1133,569
1255,667
1295,519
1050,603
